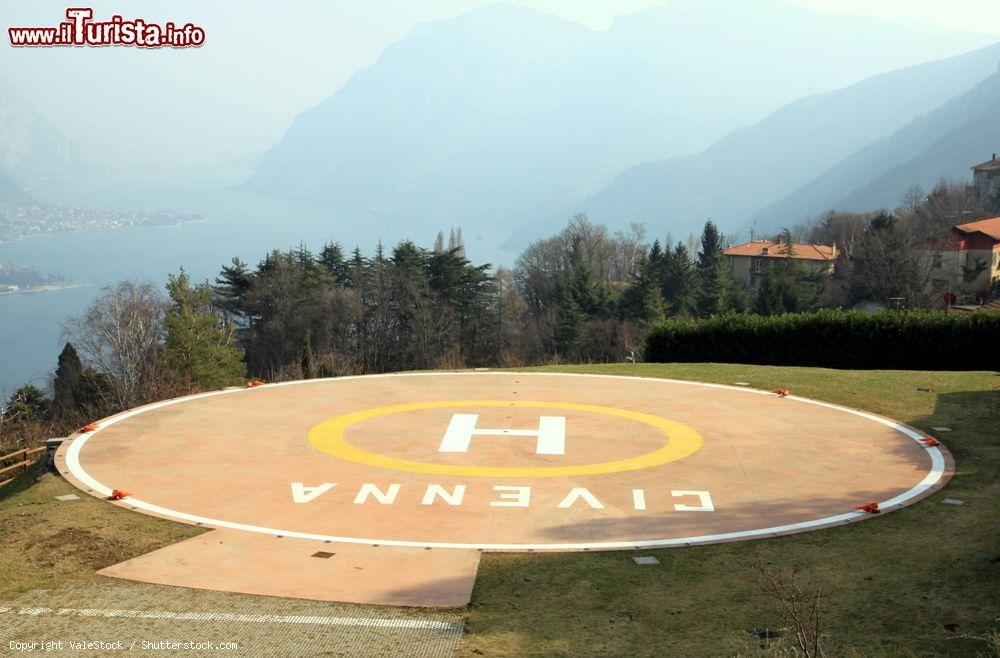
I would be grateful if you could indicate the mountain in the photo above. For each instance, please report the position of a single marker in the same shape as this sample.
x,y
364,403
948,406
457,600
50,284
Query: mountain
x,y
30,145
941,144
753,167
506,115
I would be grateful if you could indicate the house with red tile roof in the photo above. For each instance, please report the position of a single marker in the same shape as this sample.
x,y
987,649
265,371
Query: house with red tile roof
x,y
749,262
965,263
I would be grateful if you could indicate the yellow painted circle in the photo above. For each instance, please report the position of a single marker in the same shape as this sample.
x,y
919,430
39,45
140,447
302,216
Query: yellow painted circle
x,y
328,437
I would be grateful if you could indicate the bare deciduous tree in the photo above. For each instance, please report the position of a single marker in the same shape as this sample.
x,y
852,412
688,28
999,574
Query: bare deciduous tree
x,y
842,229
119,334
913,198
799,605
948,204
629,248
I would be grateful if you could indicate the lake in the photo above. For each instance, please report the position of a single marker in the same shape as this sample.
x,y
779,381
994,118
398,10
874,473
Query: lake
x,y
237,224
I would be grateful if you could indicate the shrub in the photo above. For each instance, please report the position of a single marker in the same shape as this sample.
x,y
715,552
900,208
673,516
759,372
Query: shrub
x,y
901,340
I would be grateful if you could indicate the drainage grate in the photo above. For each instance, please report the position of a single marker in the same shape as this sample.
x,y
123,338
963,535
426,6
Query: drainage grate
x,y
645,560
323,555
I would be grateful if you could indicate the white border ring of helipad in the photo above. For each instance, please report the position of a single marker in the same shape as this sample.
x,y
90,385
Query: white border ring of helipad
x,y
938,471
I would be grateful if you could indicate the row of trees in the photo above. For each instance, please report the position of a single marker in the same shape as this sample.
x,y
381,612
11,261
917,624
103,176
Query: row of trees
x,y
581,295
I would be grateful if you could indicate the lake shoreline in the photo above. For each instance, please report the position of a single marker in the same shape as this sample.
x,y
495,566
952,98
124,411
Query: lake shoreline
x,y
103,228
46,288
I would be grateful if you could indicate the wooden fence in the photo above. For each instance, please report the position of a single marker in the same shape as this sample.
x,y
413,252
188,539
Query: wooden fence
x,y
13,463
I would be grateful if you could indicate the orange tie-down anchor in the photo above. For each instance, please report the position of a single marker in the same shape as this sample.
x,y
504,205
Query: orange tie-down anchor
x,y
871,508
118,494
90,427
930,441
254,383
781,392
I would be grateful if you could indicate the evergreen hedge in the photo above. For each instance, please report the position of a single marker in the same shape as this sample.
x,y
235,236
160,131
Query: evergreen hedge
x,y
897,340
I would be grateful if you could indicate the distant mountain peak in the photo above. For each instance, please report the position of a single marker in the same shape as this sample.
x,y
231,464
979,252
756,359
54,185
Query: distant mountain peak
x,y
754,167
30,145
940,144
506,115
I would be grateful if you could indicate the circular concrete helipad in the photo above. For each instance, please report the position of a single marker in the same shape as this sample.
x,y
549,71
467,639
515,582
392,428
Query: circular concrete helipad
x,y
507,461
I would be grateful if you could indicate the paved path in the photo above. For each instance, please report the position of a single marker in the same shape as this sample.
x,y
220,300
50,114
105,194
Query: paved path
x,y
140,619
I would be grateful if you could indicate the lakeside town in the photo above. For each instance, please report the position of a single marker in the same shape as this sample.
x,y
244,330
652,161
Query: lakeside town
x,y
20,222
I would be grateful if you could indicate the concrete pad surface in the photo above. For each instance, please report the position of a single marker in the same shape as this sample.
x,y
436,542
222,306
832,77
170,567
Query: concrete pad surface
x,y
250,563
434,467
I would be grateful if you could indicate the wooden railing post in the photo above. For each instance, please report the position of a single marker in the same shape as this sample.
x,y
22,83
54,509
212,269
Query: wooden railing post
x,y
13,463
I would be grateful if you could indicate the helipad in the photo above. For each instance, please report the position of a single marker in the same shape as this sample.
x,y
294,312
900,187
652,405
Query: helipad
x,y
475,461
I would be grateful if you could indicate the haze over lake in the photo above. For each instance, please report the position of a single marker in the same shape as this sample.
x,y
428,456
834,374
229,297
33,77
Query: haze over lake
x,y
236,224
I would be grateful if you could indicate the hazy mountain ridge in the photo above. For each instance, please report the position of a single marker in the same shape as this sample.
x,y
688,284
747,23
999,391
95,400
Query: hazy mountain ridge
x,y
755,166
29,144
509,115
941,144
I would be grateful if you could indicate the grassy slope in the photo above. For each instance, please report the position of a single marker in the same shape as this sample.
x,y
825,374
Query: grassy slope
x,y
896,580
45,543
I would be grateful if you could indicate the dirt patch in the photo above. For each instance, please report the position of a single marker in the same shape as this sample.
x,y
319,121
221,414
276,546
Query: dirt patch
x,y
46,542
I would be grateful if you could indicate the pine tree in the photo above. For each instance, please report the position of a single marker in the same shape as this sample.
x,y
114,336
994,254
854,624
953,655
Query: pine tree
x,y
641,300
67,389
409,258
26,404
579,299
332,259
570,328
356,270
770,298
677,281
231,288
711,247
199,345
98,398
710,298
655,257
885,268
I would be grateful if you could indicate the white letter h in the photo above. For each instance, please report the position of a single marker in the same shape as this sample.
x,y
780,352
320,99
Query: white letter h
x,y
551,434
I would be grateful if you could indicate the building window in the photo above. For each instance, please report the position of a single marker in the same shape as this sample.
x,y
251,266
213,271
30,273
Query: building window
x,y
758,265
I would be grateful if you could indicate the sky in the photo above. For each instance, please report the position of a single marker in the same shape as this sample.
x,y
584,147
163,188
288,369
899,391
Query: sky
x,y
972,15
303,49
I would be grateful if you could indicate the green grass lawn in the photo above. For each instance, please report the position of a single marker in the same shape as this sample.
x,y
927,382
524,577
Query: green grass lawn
x,y
922,581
